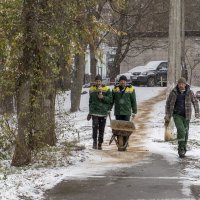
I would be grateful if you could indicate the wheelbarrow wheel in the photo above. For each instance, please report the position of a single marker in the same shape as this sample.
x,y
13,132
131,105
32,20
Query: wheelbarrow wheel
x,y
121,146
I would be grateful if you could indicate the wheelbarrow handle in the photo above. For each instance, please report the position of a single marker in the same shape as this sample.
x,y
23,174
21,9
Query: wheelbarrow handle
x,y
109,115
111,139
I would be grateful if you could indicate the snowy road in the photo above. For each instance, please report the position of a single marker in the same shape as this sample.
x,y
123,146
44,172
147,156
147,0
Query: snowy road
x,y
153,179
148,175
149,169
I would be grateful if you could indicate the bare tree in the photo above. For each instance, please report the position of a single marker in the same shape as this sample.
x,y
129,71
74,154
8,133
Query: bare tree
x,y
192,55
96,12
135,21
88,13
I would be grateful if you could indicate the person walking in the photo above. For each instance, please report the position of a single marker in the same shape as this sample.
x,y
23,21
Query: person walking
x,y
100,99
178,106
124,101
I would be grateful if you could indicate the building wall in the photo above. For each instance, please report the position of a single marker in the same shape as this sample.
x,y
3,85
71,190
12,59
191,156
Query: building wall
x,y
193,60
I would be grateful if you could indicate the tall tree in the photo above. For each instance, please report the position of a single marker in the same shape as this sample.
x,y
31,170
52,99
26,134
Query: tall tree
x,y
131,21
49,34
30,58
95,11
77,84
9,51
35,88
88,30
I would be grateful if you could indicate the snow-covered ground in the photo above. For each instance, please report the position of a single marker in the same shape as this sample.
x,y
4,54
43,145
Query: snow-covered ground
x,y
32,182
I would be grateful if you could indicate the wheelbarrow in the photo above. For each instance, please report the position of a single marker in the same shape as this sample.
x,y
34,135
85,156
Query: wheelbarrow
x,y
121,131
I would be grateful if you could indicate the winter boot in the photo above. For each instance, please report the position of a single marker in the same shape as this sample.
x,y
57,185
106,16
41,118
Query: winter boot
x,y
181,153
94,145
100,146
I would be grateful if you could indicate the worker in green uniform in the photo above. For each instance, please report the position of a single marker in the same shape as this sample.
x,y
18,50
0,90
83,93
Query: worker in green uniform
x,y
100,100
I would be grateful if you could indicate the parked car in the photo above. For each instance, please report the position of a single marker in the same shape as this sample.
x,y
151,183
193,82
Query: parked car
x,y
152,74
129,73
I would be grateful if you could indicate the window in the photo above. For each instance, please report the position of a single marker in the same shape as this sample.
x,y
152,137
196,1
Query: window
x,y
162,66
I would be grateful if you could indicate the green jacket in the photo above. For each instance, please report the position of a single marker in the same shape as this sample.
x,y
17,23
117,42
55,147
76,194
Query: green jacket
x,y
100,107
124,100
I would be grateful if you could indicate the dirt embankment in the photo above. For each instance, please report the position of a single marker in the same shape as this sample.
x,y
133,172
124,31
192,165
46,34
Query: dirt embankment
x,y
136,149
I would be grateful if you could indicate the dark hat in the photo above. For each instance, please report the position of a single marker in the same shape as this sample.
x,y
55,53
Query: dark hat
x,y
98,77
122,78
182,80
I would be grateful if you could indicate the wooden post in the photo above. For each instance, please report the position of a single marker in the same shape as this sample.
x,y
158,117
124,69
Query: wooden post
x,y
176,54
176,41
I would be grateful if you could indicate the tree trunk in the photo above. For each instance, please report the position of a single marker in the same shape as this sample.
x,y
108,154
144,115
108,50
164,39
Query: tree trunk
x,y
35,92
44,126
64,79
77,84
184,72
114,71
115,68
94,11
6,103
22,154
93,62
191,75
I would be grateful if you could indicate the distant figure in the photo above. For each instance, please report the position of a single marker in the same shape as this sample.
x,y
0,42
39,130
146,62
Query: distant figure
x,y
99,105
178,106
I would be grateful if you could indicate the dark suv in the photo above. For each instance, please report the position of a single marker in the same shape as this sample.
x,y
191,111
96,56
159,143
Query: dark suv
x,y
152,74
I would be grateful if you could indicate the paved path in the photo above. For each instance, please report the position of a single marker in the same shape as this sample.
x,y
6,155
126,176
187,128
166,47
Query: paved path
x,y
153,179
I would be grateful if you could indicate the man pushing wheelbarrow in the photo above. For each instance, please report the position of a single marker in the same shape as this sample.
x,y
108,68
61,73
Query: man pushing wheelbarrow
x,y
125,106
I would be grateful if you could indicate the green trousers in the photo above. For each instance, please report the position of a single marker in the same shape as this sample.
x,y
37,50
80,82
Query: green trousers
x,y
182,126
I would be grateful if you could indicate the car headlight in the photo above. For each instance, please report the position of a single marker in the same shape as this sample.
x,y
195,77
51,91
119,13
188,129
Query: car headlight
x,y
144,73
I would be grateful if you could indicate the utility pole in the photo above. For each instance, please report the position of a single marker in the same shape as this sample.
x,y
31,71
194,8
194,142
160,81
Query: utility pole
x,y
176,55
176,50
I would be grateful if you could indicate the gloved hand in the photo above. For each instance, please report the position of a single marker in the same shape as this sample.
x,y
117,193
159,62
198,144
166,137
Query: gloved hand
x,y
167,120
133,115
100,95
89,117
197,115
